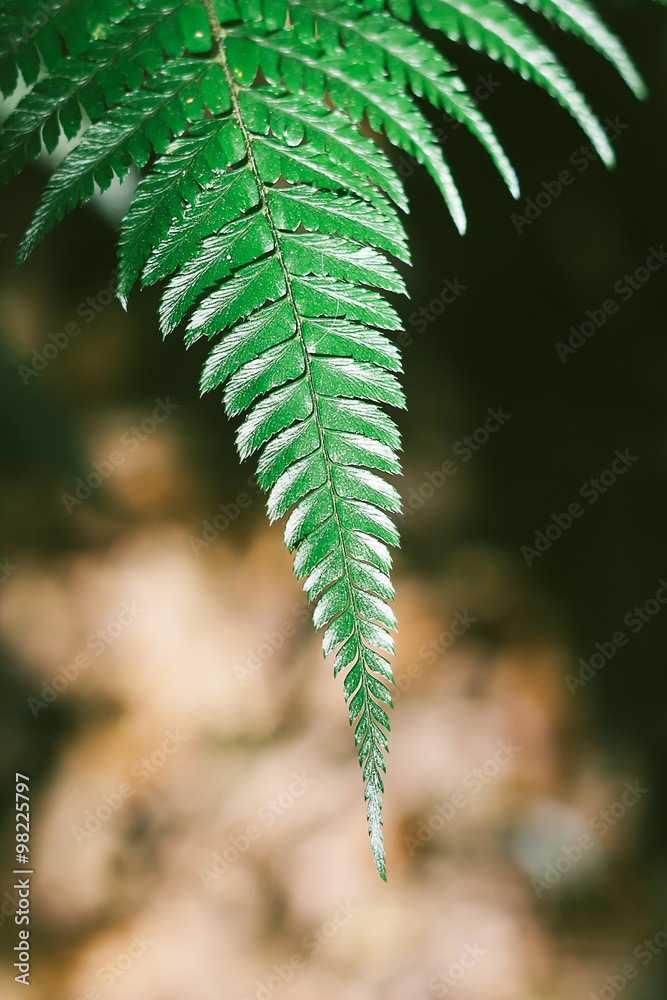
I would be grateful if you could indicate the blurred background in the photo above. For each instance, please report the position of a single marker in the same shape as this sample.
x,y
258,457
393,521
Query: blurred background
x,y
198,825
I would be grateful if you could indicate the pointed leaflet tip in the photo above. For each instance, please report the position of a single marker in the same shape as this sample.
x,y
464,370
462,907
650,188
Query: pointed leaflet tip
x,y
125,281
22,253
373,795
606,153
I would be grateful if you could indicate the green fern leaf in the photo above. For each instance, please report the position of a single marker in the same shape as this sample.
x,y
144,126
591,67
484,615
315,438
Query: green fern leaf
x,y
491,26
581,19
90,84
166,192
226,197
127,134
296,206
332,134
40,33
302,346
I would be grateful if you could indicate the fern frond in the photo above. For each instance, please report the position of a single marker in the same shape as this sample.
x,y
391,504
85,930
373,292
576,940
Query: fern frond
x,y
580,18
292,280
